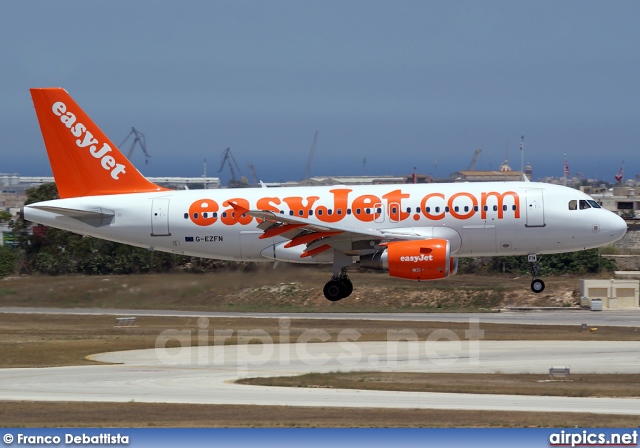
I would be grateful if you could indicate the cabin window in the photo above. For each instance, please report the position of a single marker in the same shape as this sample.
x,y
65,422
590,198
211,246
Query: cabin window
x,y
475,208
495,208
204,215
329,212
466,208
348,211
504,208
486,208
357,211
339,211
367,211
195,216
319,212
300,212
437,209
186,216
310,212
290,212
456,208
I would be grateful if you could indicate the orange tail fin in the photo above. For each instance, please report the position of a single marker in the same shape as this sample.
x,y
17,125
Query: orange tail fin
x,y
84,161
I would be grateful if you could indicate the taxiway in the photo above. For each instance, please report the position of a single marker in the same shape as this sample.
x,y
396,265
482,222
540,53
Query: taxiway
x,y
207,374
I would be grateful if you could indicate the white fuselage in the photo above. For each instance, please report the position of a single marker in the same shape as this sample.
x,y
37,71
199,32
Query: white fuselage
x,y
480,219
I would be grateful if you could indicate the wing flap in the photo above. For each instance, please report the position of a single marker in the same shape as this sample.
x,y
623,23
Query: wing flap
x,y
319,236
306,224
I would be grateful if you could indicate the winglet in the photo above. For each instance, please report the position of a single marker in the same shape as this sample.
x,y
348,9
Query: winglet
x,y
83,159
240,210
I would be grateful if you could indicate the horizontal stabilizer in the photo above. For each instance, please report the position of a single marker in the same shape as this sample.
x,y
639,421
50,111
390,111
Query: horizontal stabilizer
x,y
75,213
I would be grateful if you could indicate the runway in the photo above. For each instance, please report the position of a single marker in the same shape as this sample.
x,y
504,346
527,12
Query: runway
x,y
206,374
626,318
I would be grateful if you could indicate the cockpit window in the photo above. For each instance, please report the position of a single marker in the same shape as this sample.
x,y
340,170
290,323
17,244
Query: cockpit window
x,y
583,204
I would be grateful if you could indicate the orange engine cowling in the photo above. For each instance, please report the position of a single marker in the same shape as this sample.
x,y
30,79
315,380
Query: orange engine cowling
x,y
414,260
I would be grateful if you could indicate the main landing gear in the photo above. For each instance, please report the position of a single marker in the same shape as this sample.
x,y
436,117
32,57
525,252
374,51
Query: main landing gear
x,y
338,287
537,285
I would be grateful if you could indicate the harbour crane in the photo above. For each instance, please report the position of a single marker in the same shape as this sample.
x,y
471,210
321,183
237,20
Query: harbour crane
x,y
138,137
227,157
475,159
307,170
254,177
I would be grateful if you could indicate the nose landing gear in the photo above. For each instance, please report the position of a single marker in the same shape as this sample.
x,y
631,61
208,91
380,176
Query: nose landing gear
x,y
537,285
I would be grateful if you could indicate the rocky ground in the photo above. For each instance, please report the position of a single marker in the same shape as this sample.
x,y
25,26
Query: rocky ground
x,y
285,289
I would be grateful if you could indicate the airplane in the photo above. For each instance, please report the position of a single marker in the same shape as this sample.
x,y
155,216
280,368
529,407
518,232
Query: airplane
x,y
412,231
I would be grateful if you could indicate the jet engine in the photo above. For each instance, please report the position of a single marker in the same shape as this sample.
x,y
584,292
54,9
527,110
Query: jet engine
x,y
414,260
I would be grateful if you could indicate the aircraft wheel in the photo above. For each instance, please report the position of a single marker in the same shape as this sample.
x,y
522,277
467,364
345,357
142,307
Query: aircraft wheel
x,y
348,287
334,290
537,286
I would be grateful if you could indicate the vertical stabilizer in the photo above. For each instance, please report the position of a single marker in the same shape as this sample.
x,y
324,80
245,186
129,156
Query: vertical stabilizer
x,y
84,161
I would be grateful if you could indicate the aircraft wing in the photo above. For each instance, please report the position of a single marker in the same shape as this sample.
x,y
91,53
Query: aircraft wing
x,y
320,236
317,236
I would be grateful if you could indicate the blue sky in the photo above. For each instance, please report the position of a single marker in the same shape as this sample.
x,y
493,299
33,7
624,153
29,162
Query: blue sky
x,y
402,84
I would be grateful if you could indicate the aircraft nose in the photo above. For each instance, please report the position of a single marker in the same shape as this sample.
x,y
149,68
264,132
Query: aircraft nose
x,y
616,227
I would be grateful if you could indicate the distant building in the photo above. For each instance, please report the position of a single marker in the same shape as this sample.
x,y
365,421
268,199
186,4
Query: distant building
x,y
417,178
528,171
349,180
504,174
354,180
9,179
14,187
24,182
12,198
625,201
